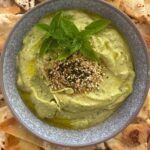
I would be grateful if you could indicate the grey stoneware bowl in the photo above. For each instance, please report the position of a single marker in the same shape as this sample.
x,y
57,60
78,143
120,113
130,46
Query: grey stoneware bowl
x,y
114,124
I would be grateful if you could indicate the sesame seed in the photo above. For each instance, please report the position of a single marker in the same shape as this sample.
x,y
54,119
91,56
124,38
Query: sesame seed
x,y
80,74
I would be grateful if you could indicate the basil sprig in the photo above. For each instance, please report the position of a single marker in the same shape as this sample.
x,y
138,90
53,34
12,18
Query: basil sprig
x,y
63,36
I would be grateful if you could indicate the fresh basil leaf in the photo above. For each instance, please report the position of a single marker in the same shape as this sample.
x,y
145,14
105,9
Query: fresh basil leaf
x,y
63,37
95,27
76,45
43,27
59,34
72,45
45,46
65,54
65,43
54,24
54,44
87,51
69,28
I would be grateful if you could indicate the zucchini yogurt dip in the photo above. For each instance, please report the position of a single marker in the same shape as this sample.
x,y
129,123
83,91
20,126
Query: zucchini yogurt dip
x,y
74,69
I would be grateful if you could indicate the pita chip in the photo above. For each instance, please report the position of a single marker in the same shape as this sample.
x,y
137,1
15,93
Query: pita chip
x,y
2,140
26,4
10,10
114,144
7,21
135,134
13,143
136,9
6,3
14,128
147,4
5,114
2,103
134,137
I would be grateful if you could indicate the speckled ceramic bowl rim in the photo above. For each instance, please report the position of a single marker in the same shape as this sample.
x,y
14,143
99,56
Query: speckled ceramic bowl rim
x,y
77,136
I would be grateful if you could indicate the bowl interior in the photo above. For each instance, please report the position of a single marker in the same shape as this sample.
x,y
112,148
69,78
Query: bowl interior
x,y
97,133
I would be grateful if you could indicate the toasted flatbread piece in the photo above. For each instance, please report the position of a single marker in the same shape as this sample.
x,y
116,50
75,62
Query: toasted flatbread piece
x,y
6,3
3,138
14,128
115,144
135,6
2,102
26,4
10,10
5,114
136,9
147,4
7,21
13,143
135,134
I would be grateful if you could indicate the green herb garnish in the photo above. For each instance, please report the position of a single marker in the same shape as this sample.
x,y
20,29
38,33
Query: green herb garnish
x,y
63,36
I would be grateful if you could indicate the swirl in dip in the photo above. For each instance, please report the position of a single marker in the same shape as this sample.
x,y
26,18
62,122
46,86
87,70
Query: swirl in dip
x,y
77,92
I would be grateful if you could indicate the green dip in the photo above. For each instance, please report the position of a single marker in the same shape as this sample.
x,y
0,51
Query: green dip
x,y
76,110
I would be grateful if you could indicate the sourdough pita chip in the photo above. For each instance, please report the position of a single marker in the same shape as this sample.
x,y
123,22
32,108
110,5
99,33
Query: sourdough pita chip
x,y
148,123
115,144
136,9
13,143
7,21
2,140
10,10
6,3
5,114
147,4
123,141
135,134
2,103
26,4
14,128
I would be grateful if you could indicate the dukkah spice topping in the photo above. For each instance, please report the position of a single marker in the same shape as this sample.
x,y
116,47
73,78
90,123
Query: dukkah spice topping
x,y
75,72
